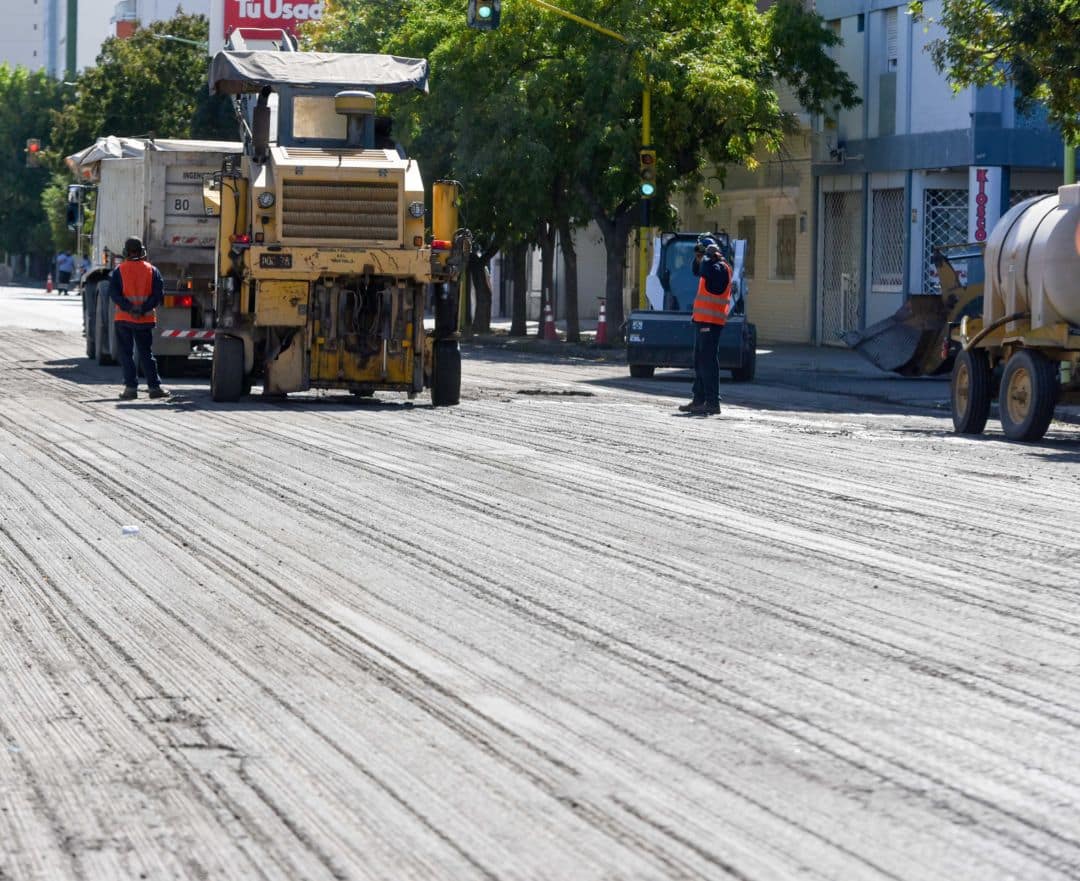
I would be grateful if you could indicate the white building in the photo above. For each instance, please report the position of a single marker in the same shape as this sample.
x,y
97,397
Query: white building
x,y
22,41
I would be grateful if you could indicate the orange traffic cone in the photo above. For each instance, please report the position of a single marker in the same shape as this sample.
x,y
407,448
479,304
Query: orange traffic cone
x,y
601,324
549,324
48,283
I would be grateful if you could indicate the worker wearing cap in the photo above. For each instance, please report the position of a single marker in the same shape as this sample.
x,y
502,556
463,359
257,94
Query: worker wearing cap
x,y
711,307
136,287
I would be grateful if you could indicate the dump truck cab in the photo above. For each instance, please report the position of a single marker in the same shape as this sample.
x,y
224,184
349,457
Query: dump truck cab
x,y
324,262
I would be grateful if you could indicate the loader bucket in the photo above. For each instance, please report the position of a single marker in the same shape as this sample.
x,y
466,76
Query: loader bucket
x,y
914,341
909,342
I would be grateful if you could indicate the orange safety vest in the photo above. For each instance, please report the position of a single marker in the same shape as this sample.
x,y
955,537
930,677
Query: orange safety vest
x,y
710,308
138,279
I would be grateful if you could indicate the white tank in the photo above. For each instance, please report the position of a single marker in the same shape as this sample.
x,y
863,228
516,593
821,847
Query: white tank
x,y
1033,260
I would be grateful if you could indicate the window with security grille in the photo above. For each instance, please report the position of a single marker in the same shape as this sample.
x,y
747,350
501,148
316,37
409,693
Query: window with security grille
x,y
1018,196
945,222
785,247
887,237
746,229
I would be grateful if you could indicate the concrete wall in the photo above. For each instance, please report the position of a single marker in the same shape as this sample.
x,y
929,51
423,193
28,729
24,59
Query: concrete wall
x,y
22,42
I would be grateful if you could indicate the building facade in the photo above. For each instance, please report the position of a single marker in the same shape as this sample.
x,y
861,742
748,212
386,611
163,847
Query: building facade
x,y
917,166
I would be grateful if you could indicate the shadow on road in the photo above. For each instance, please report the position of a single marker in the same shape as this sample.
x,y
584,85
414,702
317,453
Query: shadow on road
x,y
190,390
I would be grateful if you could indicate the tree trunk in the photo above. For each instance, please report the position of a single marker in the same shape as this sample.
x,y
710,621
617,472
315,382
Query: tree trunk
x,y
480,282
570,295
615,234
520,296
545,236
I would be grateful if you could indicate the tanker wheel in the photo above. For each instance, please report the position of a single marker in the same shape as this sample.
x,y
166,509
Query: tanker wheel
x,y
446,374
227,371
642,371
1029,392
971,392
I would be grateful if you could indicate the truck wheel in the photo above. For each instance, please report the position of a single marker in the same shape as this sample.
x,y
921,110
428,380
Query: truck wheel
x,y
642,371
970,392
446,374
1029,392
745,371
104,351
90,318
227,371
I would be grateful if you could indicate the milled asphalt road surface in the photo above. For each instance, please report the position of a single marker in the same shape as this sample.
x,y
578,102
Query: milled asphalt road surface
x,y
557,632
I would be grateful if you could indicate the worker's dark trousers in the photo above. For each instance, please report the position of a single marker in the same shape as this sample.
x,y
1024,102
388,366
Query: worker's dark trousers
x,y
707,363
140,336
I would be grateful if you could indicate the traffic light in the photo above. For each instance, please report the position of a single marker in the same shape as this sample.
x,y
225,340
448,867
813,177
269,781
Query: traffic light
x,y
33,153
484,14
647,172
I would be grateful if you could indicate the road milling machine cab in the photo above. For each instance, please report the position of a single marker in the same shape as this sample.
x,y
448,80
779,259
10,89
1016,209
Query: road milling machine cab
x,y
324,263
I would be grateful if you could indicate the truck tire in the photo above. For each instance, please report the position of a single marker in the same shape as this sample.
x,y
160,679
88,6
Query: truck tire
x,y
970,391
104,334
90,294
1029,393
745,372
446,374
642,371
227,372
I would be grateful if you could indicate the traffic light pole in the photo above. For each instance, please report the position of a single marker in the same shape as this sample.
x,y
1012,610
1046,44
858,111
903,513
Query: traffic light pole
x,y
646,138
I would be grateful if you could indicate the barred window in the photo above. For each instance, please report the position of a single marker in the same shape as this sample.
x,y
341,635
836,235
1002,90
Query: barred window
x,y
785,247
746,229
887,263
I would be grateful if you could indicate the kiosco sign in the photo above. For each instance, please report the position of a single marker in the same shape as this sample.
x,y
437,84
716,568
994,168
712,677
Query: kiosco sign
x,y
228,15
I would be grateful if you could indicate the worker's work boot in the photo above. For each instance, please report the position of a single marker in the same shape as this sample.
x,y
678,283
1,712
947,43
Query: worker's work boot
x,y
158,392
687,408
130,393
704,410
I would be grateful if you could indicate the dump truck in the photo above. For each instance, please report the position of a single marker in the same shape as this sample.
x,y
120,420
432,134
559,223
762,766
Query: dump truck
x,y
663,335
1024,348
153,189
325,265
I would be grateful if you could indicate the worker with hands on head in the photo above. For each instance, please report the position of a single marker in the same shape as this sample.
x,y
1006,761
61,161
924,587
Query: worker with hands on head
x,y
711,307
136,287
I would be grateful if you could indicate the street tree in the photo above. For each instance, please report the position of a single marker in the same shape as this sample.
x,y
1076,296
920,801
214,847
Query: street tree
x,y
151,83
1029,43
543,97
27,103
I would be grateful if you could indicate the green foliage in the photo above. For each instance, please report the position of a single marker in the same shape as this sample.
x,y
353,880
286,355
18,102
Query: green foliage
x,y
1029,43
545,107
146,85
27,101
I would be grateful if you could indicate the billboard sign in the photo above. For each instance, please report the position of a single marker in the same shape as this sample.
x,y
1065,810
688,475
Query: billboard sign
x,y
287,15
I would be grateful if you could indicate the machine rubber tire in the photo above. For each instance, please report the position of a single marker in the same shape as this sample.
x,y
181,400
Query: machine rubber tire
x,y
102,334
642,371
1029,393
227,371
446,374
90,295
746,371
970,391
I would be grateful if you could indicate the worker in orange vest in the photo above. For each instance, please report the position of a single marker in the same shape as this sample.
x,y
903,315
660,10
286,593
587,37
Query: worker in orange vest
x,y
136,287
711,307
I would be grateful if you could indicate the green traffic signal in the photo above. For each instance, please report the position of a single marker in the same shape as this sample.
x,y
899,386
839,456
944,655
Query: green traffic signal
x,y
647,172
483,15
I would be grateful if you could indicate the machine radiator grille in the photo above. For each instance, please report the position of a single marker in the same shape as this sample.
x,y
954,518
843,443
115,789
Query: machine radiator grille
x,y
340,210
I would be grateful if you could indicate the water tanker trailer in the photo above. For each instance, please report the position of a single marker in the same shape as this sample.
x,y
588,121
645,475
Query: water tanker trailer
x,y
1025,347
